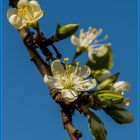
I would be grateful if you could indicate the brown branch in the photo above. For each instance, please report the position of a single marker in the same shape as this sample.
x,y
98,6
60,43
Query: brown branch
x,y
74,133
44,68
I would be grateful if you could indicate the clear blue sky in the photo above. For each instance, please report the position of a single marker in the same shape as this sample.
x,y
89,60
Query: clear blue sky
x,y
29,113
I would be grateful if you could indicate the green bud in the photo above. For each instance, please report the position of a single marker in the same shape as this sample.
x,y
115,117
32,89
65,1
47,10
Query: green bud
x,y
121,116
109,98
65,31
108,83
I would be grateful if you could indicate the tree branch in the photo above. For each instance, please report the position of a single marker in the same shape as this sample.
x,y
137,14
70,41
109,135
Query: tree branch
x,y
74,133
44,68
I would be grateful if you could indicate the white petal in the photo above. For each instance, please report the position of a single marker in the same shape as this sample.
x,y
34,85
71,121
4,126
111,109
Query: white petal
x,y
37,12
84,71
57,68
74,40
69,95
52,82
11,11
22,3
121,86
85,85
104,75
17,22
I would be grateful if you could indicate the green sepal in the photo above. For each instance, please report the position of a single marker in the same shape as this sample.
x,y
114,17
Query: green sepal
x,y
101,62
65,31
58,27
121,116
108,83
96,126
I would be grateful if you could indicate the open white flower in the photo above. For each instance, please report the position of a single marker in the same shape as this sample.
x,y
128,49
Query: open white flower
x,y
69,79
26,14
121,87
88,41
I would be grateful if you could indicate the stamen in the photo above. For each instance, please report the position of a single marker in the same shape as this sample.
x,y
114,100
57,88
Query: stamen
x,y
22,11
66,59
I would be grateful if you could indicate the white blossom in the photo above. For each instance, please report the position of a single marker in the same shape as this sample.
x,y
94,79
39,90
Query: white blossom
x,y
69,79
88,41
26,14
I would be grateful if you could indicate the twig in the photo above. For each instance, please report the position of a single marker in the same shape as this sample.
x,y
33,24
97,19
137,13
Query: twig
x,y
74,133
44,68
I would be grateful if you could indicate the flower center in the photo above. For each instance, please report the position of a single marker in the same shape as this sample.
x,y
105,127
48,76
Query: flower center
x,y
22,11
68,81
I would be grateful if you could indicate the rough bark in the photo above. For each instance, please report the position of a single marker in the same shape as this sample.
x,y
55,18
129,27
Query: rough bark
x,y
44,68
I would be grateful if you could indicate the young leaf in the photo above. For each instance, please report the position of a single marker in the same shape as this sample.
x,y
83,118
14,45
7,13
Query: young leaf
x,y
96,126
121,116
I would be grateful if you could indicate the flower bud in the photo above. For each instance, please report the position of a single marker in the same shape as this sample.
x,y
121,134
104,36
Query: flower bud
x,y
110,98
106,84
66,31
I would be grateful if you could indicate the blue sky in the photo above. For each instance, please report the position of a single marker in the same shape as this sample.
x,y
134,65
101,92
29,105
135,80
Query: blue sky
x,y
29,113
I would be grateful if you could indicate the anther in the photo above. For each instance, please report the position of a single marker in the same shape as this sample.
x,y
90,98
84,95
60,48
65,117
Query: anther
x,y
66,59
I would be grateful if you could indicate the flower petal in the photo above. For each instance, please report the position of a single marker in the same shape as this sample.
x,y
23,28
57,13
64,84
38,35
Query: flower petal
x,y
84,71
85,85
11,11
121,87
17,22
37,12
57,68
69,95
52,82
74,40
22,3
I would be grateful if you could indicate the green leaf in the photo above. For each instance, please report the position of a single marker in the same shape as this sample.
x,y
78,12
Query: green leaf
x,y
106,84
109,98
96,126
65,31
121,116
97,62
